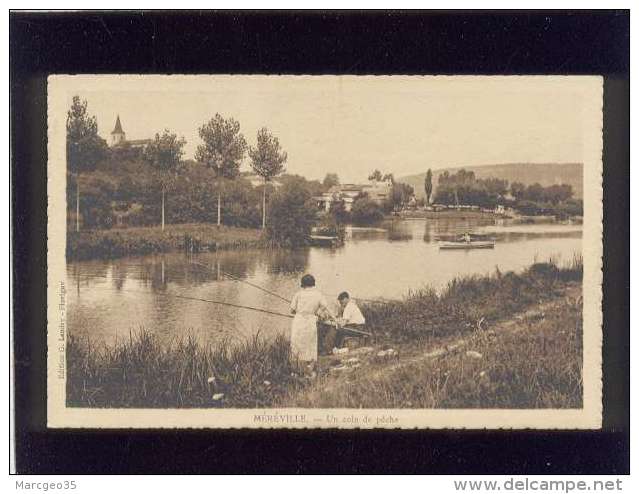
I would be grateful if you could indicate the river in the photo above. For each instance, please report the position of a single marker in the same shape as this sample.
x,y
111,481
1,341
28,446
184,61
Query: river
x,y
107,299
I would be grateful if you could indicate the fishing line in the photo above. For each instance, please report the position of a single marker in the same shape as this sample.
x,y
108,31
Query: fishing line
x,y
219,302
235,278
186,297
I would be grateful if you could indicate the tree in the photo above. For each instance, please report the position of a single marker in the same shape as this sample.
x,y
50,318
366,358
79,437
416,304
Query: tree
x,y
366,211
400,195
517,190
314,187
267,160
388,177
338,213
330,180
164,154
557,193
534,192
376,175
292,215
85,148
222,150
428,185
457,183
495,186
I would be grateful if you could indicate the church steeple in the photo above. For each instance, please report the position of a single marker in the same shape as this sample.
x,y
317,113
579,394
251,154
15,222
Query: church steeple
x,y
118,127
118,135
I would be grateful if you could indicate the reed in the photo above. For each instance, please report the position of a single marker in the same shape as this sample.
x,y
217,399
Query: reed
x,y
468,302
142,372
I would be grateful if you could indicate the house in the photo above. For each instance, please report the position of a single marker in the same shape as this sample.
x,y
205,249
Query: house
x,y
347,194
378,190
118,138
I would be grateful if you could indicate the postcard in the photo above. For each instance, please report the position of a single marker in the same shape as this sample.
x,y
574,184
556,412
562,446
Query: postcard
x,y
337,251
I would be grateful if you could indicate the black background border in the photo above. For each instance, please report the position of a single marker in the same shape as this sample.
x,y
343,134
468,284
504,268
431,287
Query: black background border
x,y
457,42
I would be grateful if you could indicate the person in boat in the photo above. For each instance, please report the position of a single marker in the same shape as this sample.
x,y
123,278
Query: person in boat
x,y
307,305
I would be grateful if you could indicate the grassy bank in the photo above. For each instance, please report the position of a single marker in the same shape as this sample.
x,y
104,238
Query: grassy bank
x,y
531,362
525,366
109,244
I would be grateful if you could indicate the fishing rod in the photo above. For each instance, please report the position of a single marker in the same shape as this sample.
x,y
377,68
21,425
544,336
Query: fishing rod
x,y
235,278
219,302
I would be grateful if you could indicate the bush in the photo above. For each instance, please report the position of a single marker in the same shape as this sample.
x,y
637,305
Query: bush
x,y
366,211
338,213
291,216
528,208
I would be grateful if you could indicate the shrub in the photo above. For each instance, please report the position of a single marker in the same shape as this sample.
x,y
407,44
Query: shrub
x,y
338,213
366,211
291,216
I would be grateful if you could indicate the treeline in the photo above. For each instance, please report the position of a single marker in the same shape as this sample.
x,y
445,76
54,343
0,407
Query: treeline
x,y
463,188
151,185
125,190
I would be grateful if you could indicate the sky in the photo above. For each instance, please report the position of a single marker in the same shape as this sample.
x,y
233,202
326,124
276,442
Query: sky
x,y
351,125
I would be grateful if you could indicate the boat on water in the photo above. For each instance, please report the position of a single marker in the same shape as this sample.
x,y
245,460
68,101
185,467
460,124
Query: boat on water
x,y
468,241
325,241
326,237
473,244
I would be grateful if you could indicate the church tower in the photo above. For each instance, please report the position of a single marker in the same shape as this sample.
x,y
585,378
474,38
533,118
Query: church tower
x,y
118,135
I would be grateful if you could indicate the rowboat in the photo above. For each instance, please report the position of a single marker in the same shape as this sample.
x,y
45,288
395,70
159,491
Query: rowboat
x,y
325,241
473,244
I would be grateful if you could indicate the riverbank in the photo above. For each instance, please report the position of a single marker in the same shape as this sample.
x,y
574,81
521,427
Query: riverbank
x,y
522,331
121,242
459,214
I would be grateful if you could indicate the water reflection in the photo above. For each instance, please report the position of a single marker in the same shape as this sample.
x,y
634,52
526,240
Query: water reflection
x,y
111,297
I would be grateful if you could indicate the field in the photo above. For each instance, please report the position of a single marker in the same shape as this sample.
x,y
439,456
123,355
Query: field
x,y
120,242
506,341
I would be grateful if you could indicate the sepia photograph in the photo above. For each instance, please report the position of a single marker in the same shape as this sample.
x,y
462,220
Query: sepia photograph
x,y
233,251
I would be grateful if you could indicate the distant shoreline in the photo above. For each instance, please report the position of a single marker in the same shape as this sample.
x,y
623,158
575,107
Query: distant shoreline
x,y
450,213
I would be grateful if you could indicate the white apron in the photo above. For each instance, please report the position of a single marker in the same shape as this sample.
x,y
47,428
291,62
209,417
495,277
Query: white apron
x,y
306,303
304,337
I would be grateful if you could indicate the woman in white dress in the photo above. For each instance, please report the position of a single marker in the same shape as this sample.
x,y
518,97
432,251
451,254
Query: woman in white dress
x,y
307,305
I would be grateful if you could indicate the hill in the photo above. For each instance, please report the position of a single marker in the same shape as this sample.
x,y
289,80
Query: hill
x,y
527,173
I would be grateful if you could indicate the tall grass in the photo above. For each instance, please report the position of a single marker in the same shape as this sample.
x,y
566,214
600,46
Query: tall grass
x,y
468,303
141,372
